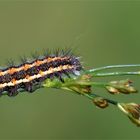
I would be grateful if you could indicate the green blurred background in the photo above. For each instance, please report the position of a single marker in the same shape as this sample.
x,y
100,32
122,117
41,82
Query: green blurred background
x,y
102,32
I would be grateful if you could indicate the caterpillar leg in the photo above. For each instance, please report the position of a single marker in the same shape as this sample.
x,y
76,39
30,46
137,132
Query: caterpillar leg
x,y
31,87
12,91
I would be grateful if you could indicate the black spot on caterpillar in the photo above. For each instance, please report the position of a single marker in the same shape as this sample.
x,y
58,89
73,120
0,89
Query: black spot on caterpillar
x,y
29,75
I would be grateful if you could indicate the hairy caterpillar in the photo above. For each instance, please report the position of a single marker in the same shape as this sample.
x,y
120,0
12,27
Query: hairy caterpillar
x,y
28,75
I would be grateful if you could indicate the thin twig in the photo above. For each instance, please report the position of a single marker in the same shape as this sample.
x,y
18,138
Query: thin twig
x,y
115,74
113,66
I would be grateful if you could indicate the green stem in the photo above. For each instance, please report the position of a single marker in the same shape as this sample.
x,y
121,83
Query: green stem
x,y
113,66
84,83
98,84
114,74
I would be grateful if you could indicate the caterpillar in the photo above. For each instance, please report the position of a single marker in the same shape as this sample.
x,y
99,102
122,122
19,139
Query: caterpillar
x,y
28,75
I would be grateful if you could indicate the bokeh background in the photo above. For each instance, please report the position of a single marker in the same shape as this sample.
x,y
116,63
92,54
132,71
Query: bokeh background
x,y
102,33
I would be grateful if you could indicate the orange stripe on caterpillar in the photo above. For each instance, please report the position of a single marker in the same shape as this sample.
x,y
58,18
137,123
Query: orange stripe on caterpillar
x,y
28,66
28,78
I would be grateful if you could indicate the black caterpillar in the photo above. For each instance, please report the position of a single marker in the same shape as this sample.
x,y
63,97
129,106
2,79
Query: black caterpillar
x,y
29,75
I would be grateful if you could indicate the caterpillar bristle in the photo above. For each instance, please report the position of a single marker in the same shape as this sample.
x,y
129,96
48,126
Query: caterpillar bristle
x,y
57,52
35,55
23,59
68,52
46,52
10,63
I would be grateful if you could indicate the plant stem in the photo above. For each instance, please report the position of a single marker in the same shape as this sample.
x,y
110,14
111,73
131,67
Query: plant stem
x,y
115,74
113,66
99,84
84,83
